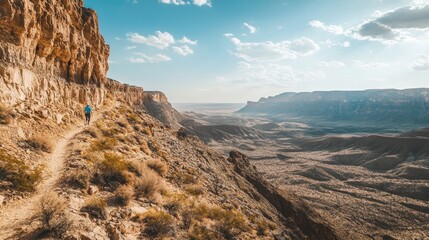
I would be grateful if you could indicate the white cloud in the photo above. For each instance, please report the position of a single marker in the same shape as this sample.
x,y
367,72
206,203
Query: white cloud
x,y
182,2
273,51
186,40
251,28
332,64
421,64
130,47
228,35
338,30
160,40
330,44
369,65
184,50
175,2
403,24
143,58
202,2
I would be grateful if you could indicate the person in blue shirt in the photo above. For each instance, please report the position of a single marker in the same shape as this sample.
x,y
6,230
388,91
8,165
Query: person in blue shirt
x,y
88,112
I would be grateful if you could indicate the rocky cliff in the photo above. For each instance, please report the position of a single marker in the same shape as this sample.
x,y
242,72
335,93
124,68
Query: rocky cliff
x,y
52,56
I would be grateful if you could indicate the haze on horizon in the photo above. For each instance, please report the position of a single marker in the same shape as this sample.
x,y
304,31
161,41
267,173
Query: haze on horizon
x,y
235,50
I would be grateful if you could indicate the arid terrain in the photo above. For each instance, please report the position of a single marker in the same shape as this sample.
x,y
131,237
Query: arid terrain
x,y
367,178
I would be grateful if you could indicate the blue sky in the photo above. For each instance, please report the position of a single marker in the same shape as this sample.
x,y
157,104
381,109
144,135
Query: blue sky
x,y
240,50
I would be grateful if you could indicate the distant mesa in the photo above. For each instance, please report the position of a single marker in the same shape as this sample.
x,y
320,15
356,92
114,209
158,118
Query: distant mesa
x,y
386,105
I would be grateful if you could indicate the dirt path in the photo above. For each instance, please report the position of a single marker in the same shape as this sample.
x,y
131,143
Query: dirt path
x,y
15,216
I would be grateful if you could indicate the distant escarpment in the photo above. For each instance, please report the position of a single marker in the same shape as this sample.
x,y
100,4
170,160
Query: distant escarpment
x,y
387,105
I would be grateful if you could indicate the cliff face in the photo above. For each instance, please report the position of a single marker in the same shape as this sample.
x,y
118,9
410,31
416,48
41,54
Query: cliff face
x,y
52,56
156,104
55,37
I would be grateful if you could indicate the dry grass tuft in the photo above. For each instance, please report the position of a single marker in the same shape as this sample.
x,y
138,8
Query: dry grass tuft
x,y
145,148
41,142
195,190
52,215
112,170
79,178
227,223
203,232
5,114
149,185
93,132
18,172
106,143
158,224
158,166
175,202
96,208
124,194
263,226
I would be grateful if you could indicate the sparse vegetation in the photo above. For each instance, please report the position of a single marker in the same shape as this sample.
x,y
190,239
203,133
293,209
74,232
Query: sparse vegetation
x,y
195,190
175,203
5,114
96,208
53,216
228,223
41,142
112,170
158,224
263,226
145,148
17,172
93,132
124,194
79,178
103,144
203,232
149,185
158,166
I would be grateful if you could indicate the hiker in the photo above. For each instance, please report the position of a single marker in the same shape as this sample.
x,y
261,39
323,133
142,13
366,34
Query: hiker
x,y
88,112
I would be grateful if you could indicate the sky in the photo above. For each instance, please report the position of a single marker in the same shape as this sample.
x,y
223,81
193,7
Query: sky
x,y
234,51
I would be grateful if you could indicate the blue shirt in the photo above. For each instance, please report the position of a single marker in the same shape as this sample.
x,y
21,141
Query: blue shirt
x,y
88,109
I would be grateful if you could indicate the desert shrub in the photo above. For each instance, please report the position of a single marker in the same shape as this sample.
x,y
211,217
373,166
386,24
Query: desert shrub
x,y
92,131
185,178
134,118
124,194
158,166
5,114
263,226
175,203
194,212
149,185
230,223
19,173
106,143
96,208
123,123
158,224
111,171
79,178
148,131
202,233
41,142
195,190
145,148
52,216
